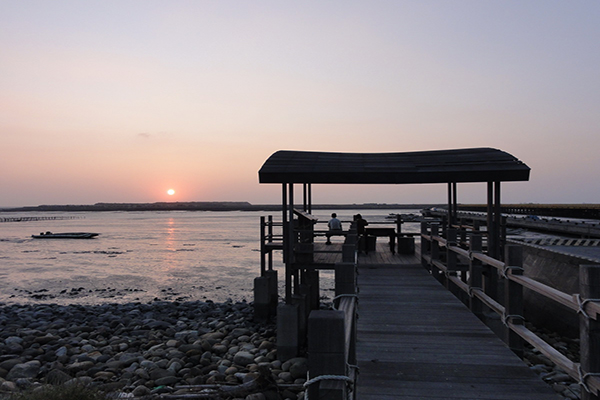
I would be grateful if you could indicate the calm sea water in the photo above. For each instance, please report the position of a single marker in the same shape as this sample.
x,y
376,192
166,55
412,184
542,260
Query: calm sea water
x,y
140,256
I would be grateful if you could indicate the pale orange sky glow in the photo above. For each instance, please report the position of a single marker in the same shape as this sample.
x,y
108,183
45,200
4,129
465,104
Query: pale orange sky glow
x,y
119,101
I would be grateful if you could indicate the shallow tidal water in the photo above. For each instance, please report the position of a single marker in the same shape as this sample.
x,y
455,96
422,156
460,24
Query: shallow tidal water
x,y
139,256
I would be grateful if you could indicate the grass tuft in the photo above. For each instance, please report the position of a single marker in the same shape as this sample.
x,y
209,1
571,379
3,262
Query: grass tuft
x,y
61,392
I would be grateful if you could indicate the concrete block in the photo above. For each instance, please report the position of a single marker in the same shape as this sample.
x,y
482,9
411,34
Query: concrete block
x,y
287,331
261,290
326,332
349,253
261,298
273,290
406,245
327,364
345,278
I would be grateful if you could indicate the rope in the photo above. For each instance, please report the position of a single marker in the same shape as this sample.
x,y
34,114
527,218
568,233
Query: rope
x,y
471,288
583,377
325,378
506,317
339,296
507,268
581,303
355,367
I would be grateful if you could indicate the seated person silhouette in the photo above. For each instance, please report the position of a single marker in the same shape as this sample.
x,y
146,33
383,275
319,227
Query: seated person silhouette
x,y
335,228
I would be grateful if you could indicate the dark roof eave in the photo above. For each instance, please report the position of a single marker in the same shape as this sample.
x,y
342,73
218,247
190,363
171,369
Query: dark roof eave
x,y
442,166
373,178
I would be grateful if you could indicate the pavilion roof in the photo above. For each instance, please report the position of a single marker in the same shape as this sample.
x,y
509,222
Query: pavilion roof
x,y
436,166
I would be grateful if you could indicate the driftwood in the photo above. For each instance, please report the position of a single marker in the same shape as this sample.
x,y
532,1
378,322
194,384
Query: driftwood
x,y
263,382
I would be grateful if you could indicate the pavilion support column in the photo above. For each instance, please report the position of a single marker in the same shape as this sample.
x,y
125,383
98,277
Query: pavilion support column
x,y
286,253
494,217
452,206
450,216
307,197
454,198
490,217
497,221
289,323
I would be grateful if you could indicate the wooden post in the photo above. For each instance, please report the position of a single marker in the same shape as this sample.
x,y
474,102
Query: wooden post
x,y
263,260
310,278
349,248
326,352
589,328
425,244
503,235
345,278
463,231
262,306
475,275
287,331
513,297
273,290
270,236
451,259
302,302
435,249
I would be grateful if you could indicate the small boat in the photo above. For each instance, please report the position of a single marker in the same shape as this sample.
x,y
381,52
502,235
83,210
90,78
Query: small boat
x,y
65,235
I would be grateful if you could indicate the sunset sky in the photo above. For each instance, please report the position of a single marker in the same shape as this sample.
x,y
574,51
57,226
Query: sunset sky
x,y
119,101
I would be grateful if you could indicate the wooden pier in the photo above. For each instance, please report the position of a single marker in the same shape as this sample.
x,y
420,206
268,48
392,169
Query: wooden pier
x,y
413,338
418,341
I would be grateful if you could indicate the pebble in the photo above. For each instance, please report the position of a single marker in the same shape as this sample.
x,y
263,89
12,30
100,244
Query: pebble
x,y
138,350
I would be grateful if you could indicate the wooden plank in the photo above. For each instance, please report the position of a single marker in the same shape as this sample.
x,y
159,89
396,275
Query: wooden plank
x,y
417,341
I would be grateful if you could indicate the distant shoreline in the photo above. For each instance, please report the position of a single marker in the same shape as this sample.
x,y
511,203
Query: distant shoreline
x,y
204,206
589,211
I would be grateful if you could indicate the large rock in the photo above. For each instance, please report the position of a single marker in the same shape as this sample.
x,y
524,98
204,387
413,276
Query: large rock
x,y
243,358
9,364
299,368
79,366
29,369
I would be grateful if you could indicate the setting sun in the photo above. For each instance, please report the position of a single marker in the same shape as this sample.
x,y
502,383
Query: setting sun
x,y
170,192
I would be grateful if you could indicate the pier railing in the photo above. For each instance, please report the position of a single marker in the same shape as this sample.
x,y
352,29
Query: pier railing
x,y
332,350
475,277
329,335
331,340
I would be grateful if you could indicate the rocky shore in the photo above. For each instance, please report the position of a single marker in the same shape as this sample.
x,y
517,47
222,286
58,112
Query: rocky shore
x,y
170,350
553,375
148,351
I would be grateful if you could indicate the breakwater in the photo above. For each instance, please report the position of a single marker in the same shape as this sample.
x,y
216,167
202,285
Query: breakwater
x,y
570,228
30,219
582,211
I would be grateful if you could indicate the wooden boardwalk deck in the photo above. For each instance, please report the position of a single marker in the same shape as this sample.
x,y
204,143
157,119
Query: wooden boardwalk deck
x,y
417,341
